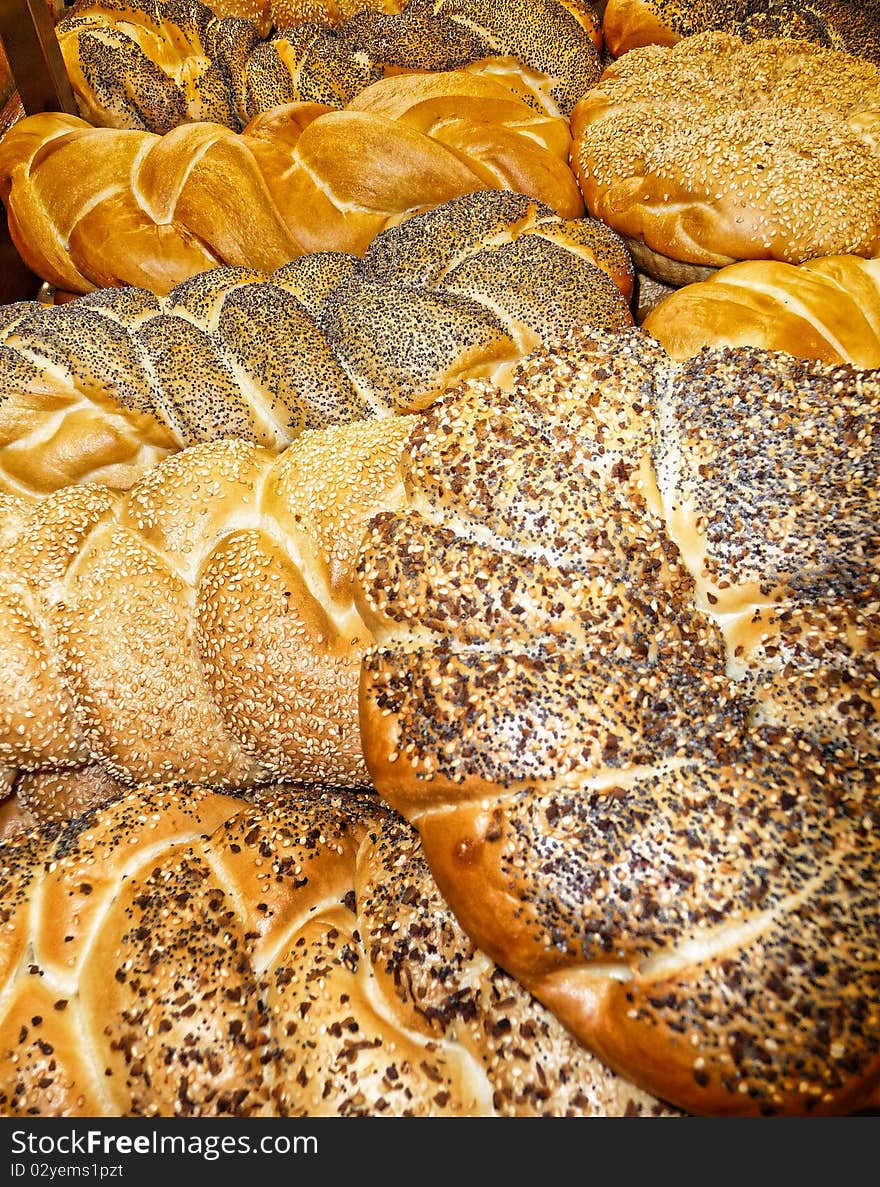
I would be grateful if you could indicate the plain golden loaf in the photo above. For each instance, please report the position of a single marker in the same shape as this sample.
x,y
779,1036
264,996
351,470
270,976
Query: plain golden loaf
x,y
837,24
200,626
717,150
625,684
180,952
96,207
100,388
154,65
827,308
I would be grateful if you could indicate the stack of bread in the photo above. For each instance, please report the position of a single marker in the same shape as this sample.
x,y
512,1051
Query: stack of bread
x,y
438,564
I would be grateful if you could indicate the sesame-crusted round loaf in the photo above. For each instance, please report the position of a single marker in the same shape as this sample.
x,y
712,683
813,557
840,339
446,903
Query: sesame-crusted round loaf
x,y
98,207
827,308
200,626
155,64
850,25
179,952
718,149
625,684
101,387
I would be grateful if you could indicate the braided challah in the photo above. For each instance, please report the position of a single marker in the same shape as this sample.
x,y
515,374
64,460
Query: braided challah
x,y
156,64
201,626
837,24
184,953
94,207
826,308
625,683
100,388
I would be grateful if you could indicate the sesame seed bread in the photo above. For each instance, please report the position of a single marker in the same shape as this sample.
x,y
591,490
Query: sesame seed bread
x,y
102,387
826,308
837,24
625,683
96,207
717,150
155,64
180,952
201,626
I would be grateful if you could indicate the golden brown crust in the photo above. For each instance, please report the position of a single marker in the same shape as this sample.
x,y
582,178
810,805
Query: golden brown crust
x,y
827,308
717,150
153,65
346,986
624,681
837,24
201,627
96,207
103,387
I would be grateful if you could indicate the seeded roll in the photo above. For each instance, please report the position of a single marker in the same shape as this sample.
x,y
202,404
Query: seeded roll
x,y
837,24
624,682
159,63
346,987
104,386
718,150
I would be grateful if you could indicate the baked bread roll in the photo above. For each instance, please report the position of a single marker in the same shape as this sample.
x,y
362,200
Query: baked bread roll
x,y
106,385
97,207
837,24
347,988
156,64
719,150
625,683
201,626
827,308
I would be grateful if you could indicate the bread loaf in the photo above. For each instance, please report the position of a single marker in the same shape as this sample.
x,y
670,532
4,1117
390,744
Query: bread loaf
x,y
96,207
156,64
718,150
346,988
103,387
625,683
201,626
827,308
267,15
837,24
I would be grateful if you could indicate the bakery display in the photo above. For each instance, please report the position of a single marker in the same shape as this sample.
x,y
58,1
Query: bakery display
x,y
625,684
96,207
348,988
155,64
438,563
826,308
102,387
200,626
838,24
717,150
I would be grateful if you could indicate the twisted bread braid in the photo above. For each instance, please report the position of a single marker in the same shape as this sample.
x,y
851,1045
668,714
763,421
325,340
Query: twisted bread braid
x,y
104,386
156,64
91,207
200,627
625,682
346,988
837,24
827,308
